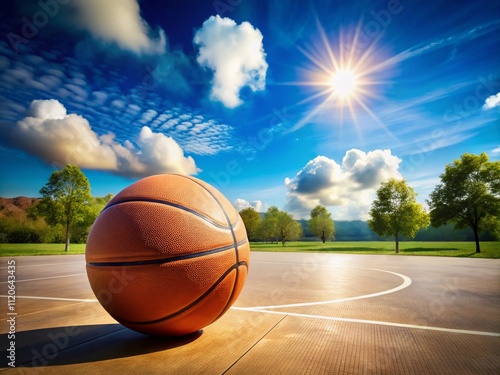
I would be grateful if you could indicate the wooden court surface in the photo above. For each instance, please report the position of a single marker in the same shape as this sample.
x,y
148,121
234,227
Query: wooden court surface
x,y
299,313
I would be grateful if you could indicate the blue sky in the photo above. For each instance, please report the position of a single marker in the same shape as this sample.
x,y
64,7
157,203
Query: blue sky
x,y
246,95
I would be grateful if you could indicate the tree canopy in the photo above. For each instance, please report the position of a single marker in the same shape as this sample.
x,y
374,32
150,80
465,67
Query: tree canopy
x,y
468,195
280,226
252,221
395,211
65,199
321,223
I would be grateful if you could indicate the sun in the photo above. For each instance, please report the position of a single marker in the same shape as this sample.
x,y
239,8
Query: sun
x,y
341,77
343,83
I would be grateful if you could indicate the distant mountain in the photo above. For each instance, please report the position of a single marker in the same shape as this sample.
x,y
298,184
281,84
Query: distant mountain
x,y
358,230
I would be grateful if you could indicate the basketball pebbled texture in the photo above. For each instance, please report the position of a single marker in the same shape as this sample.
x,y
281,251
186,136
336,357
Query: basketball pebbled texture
x,y
168,255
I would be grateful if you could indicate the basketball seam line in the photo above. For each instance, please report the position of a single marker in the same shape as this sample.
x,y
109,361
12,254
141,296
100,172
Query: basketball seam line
x,y
175,205
225,215
236,251
195,302
165,260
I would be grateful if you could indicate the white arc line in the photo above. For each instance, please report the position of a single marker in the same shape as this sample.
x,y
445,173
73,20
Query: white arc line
x,y
53,298
375,322
406,283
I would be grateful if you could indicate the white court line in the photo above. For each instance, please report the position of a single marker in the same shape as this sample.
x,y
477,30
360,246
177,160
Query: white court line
x,y
375,322
44,278
406,283
53,298
350,320
41,264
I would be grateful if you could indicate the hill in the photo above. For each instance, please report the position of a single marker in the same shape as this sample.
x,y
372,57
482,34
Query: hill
x,y
16,207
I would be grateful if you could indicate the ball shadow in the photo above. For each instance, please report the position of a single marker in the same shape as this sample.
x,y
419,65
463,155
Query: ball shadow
x,y
83,344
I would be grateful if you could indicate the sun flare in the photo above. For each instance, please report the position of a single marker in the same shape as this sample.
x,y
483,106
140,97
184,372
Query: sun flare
x,y
343,83
342,77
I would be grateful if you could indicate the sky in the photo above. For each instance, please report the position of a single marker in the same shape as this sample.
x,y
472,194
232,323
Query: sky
x,y
286,103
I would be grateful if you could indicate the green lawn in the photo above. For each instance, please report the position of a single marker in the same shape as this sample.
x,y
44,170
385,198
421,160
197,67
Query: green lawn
x,y
450,249
14,249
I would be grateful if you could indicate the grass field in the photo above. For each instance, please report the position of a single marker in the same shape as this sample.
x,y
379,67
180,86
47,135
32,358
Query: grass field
x,y
449,249
14,249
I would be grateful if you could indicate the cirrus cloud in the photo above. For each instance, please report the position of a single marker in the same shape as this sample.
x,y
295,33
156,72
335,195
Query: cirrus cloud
x,y
235,54
348,187
50,133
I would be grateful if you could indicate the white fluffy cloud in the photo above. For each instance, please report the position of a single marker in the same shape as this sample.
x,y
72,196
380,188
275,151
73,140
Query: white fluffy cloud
x,y
492,101
240,204
349,188
119,22
236,55
50,133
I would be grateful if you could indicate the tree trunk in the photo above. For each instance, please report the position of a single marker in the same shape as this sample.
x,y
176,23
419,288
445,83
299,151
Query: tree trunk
x,y
323,237
476,237
66,248
397,243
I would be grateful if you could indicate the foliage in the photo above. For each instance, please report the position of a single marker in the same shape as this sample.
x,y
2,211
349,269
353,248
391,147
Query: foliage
x,y
252,221
23,230
279,226
321,223
65,199
395,211
34,229
468,195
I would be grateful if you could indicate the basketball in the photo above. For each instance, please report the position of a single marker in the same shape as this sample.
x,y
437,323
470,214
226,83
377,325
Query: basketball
x,y
168,255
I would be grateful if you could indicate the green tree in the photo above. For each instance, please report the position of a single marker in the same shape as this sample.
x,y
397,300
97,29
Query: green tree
x,y
321,223
269,225
280,226
468,195
395,212
252,221
289,229
65,199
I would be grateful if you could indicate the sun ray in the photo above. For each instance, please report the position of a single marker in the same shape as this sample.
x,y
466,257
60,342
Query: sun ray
x,y
318,62
377,120
324,39
343,75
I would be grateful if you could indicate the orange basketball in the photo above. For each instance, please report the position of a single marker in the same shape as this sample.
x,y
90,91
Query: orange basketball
x,y
168,255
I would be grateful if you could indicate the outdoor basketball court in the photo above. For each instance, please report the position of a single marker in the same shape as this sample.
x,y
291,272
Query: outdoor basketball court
x,y
299,313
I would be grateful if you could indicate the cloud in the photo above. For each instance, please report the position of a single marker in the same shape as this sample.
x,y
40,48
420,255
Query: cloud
x,y
236,55
257,205
492,101
119,22
50,133
349,188
454,40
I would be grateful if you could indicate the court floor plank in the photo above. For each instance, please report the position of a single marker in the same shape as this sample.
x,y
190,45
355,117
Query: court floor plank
x,y
299,313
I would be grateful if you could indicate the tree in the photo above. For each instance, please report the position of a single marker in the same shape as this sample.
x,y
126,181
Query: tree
x,y
395,211
65,199
468,195
268,227
280,226
321,223
252,221
288,228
